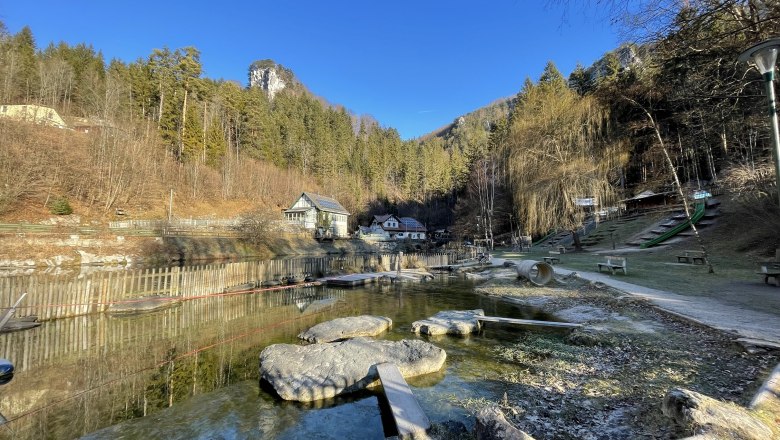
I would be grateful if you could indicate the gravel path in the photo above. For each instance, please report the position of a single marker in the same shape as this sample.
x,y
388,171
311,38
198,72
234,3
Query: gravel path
x,y
758,326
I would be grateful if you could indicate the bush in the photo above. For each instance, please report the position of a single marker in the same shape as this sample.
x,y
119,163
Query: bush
x,y
259,227
61,206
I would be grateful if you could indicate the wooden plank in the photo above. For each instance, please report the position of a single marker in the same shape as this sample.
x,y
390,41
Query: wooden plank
x,y
527,322
409,417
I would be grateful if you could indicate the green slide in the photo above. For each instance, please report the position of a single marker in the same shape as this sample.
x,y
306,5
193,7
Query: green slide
x,y
697,215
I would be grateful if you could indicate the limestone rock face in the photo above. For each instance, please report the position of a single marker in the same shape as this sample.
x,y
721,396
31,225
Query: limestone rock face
x,y
345,328
453,322
321,371
268,79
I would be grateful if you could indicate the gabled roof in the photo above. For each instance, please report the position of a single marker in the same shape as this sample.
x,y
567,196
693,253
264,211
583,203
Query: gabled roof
x,y
647,195
405,224
326,204
383,218
412,225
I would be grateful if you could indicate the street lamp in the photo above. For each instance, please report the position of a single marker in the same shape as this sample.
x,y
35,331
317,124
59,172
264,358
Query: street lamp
x,y
764,56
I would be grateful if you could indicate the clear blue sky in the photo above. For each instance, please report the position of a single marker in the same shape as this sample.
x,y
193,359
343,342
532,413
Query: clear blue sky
x,y
413,65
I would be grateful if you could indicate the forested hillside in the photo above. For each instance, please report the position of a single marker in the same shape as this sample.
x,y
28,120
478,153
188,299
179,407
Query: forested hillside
x,y
161,125
606,130
675,102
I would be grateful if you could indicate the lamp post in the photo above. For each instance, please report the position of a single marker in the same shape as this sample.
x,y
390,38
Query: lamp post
x,y
764,56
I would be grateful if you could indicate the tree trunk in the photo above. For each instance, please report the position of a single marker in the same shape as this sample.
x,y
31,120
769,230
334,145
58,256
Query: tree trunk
x,y
677,182
576,237
183,123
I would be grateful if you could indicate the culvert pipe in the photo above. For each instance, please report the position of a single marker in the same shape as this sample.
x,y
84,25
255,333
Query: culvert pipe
x,y
536,272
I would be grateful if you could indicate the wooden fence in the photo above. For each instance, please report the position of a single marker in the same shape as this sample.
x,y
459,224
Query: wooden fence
x,y
196,321
51,297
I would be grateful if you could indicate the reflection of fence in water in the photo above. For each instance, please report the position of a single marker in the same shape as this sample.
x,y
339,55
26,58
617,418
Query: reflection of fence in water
x,y
99,362
198,320
58,296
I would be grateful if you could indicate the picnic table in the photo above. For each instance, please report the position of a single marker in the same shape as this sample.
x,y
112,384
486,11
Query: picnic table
x,y
552,258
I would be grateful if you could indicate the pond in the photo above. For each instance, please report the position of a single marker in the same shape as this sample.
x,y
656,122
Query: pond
x,y
191,371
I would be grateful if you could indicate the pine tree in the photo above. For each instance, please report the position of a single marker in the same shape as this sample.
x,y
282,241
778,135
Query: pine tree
x,y
26,77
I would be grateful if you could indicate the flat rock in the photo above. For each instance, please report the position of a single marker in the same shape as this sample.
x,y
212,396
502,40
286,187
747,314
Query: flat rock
x,y
452,322
345,328
321,371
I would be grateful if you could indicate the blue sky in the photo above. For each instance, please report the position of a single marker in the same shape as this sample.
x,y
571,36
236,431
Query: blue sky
x,y
413,65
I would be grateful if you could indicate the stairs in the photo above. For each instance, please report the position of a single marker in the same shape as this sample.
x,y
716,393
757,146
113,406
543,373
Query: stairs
x,y
677,225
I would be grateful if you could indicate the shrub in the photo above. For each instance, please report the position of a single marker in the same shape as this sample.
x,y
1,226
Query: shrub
x,y
259,227
61,206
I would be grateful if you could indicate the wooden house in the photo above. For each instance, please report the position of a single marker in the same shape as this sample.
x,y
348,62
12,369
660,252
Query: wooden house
x,y
323,215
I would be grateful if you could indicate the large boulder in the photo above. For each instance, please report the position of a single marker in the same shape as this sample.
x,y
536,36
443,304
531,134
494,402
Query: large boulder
x,y
492,425
700,414
321,371
453,322
345,328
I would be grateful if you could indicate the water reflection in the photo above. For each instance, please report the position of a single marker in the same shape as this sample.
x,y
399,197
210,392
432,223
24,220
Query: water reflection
x,y
192,370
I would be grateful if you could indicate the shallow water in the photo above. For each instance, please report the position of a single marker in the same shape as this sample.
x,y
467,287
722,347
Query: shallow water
x,y
192,370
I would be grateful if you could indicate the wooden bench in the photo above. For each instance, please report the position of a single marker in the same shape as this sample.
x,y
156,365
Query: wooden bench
x,y
691,257
552,258
614,263
770,269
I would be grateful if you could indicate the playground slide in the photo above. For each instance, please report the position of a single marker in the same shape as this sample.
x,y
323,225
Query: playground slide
x,y
543,239
697,215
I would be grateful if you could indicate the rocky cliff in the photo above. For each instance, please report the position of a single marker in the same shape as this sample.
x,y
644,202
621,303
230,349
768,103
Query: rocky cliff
x,y
270,77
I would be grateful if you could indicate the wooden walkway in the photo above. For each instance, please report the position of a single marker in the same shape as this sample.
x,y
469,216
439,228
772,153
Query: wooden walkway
x,y
357,279
360,279
527,322
410,420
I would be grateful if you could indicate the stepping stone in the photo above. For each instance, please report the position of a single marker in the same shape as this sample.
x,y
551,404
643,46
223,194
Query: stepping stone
x,y
452,322
321,371
345,328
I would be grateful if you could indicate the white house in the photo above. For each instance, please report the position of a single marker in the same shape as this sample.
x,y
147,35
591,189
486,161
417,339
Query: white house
x,y
318,213
398,228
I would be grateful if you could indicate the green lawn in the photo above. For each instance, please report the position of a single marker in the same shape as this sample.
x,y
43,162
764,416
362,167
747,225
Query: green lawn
x,y
734,280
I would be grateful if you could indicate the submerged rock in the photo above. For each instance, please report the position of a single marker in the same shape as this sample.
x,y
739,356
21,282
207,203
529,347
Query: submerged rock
x,y
143,304
453,322
345,328
321,371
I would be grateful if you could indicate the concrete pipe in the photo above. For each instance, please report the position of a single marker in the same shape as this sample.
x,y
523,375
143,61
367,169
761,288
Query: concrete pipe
x,y
536,272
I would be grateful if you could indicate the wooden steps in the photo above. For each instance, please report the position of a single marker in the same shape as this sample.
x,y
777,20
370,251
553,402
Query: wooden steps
x,y
410,419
